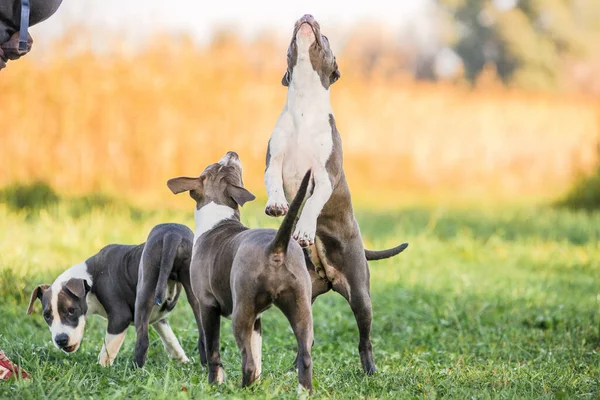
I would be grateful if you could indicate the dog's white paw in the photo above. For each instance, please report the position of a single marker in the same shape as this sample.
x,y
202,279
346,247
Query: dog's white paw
x,y
305,232
105,360
220,378
183,359
277,207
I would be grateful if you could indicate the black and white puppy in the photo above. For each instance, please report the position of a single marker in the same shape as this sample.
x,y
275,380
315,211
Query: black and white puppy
x,y
305,137
126,284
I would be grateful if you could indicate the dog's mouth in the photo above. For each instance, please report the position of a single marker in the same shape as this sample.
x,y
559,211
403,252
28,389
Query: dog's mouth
x,y
308,22
70,349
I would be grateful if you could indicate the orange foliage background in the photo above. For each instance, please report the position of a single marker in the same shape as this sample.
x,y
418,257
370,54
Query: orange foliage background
x,y
124,123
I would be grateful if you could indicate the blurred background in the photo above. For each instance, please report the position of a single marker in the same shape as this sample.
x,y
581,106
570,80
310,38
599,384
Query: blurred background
x,y
469,101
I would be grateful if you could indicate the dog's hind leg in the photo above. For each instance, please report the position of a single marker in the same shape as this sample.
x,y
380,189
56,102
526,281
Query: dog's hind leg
x,y
185,281
353,283
170,342
144,303
297,310
248,335
211,325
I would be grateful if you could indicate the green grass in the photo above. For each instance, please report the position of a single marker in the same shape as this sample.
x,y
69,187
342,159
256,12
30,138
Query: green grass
x,y
483,304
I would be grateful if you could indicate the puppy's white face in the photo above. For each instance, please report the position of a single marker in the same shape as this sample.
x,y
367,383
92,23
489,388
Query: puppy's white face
x,y
65,316
64,310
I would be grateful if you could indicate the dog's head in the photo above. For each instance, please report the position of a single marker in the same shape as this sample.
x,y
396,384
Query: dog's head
x,y
220,183
310,45
64,308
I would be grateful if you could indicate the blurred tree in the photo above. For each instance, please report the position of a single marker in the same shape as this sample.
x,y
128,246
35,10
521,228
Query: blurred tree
x,y
531,42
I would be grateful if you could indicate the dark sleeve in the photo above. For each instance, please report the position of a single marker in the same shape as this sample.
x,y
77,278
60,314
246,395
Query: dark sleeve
x,y
10,14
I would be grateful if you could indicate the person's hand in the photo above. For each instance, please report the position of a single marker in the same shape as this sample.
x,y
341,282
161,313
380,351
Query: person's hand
x,y
11,47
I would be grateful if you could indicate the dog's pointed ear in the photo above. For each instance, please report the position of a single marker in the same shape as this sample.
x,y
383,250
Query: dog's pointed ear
x,y
335,75
77,287
287,77
239,194
37,294
184,184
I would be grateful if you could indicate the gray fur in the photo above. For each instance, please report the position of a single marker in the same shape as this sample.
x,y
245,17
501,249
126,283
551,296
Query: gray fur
x,y
241,272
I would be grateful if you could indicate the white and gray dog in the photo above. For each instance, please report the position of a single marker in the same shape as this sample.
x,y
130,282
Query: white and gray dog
x,y
305,137
126,284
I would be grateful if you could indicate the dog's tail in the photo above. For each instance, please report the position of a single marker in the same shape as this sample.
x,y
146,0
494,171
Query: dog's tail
x,y
170,247
279,245
373,255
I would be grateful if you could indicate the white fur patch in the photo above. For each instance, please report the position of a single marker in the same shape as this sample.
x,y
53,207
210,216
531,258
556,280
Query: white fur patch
x,y
110,348
302,140
170,342
94,306
75,334
256,346
277,149
301,389
220,376
306,228
210,215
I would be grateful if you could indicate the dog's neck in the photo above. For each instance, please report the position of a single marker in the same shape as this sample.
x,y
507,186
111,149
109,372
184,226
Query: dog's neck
x,y
78,271
305,91
210,215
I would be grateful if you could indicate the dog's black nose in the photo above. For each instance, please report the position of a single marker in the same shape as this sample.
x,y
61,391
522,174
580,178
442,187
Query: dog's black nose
x,y
62,340
308,17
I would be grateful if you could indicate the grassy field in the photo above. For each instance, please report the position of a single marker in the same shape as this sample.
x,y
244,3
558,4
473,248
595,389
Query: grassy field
x,y
483,304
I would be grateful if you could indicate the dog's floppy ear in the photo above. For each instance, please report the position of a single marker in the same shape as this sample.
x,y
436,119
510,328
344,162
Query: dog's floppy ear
x,y
77,287
335,75
287,77
184,184
239,194
37,294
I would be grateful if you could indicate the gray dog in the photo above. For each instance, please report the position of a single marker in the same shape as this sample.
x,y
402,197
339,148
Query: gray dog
x,y
306,137
126,284
240,272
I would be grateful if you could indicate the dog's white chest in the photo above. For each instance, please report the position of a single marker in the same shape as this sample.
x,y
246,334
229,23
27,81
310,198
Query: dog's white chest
x,y
308,146
94,306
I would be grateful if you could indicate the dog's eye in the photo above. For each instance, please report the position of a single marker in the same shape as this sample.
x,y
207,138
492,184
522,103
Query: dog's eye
x,y
71,311
47,317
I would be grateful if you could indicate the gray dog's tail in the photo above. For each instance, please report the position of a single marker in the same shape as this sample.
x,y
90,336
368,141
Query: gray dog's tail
x,y
170,247
279,245
373,255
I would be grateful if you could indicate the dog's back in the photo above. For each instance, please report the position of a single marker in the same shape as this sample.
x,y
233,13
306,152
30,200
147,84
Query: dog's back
x,y
233,258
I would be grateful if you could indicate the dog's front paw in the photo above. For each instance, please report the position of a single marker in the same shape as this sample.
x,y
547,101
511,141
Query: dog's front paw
x,y
305,232
105,361
183,360
276,208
